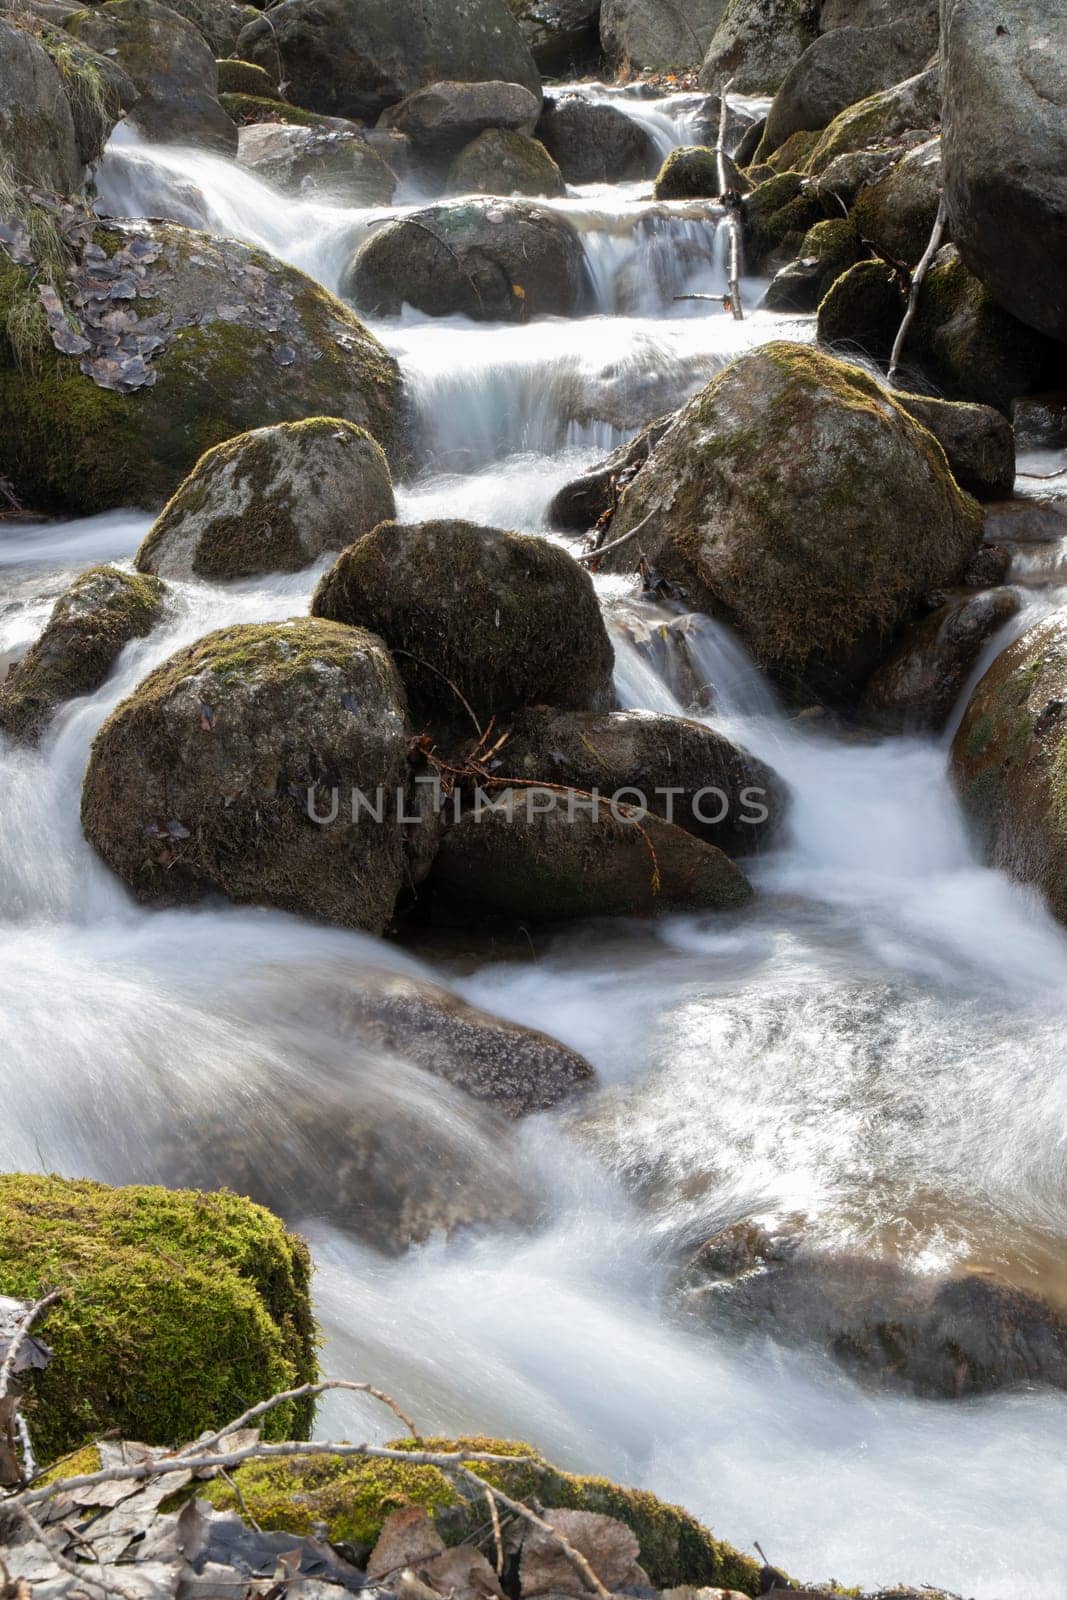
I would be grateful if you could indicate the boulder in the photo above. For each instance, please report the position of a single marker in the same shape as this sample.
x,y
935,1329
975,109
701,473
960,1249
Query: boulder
x,y
691,172
778,214
581,504
98,89
502,619
492,260
939,1336
207,1288
873,13
213,338
318,163
442,118
272,500
219,22
37,133
562,35
595,143
844,176
209,778
245,78
1009,761
897,211
685,771
758,504
532,855
978,441
880,120
646,33
829,249
839,69
349,58
171,65
969,346
862,311
917,689
1005,151
503,162
757,42
91,623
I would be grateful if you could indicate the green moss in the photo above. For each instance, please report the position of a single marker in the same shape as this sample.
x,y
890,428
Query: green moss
x,y
779,213
794,154
243,79
689,172
503,161
980,735
245,108
972,347
862,309
183,1309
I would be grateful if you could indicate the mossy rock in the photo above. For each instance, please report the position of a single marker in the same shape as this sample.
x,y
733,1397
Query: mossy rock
x,y
91,623
98,89
897,211
353,1499
271,501
183,1309
862,311
246,340
242,78
245,107
37,133
795,153
829,249
777,215
880,119
504,161
691,172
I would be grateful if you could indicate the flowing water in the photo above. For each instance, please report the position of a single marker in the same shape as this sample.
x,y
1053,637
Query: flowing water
x,y
875,1045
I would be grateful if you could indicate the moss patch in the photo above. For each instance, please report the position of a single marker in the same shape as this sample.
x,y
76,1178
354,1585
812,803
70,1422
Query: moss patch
x,y
183,1309
243,79
244,107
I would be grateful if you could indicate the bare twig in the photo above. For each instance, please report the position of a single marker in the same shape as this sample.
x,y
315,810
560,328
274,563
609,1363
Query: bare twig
x,y
575,1557
719,297
729,201
7,1366
464,702
916,284
238,1494
73,1569
306,1391
602,550
498,1541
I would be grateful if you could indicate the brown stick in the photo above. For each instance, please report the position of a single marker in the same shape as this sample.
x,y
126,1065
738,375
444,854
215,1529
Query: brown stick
x,y
916,284
602,550
731,209
306,1391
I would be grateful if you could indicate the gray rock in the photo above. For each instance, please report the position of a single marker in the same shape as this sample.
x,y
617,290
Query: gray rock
x,y
561,34
757,43
839,69
917,689
317,162
593,143
897,211
37,134
880,120
442,118
503,162
582,503
652,33
978,440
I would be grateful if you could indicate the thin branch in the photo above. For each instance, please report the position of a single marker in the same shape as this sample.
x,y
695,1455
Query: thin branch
x,y
498,1540
306,1391
73,1569
7,1366
242,1503
729,201
916,284
602,550
575,1557
419,662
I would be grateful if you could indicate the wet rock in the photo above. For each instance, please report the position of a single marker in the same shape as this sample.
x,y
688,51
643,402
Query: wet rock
x,y
245,78
917,689
681,770
219,22
862,311
843,67
563,35
757,42
537,856
978,440
935,1336
504,619
896,212
581,504
645,33
595,143
777,216
171,65
90,625
492,260
787,437
271,501
505,163
203,780
178,340
1009,765
671,645
37,133
880,120
97,87
829,249
691,172
1005,90
319,163
845,175
442,118
349,59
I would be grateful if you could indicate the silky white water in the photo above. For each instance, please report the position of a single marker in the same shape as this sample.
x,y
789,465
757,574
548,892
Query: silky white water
x,y
875,1044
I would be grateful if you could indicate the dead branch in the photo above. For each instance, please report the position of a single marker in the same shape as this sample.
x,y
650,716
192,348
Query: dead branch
x,y
7,1366
602,550
916,284
729,200
306,1391
721,298
498,1541
575,1557
73,1569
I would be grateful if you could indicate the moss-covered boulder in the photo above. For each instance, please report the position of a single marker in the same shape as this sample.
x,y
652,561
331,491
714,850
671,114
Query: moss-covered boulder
x,y
245,108
844,177
91,623
215,338
979,442
862,310
317,163
230,769
760,503
502,161
492,260
917,689
271,501
757,42
183,1309
777,215
245,78
172,66
795,153
353,1500
505,619
829,249
1009,761
879,120
595,143
970,346
691,172
896,212
37,135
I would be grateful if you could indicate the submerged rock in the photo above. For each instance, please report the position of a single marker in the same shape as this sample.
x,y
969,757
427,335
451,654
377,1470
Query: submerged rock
x,y
502,162
1009,761
442,118
595,143
646,33
492,260
917,689
349,58
37,134
206,1288
90,625
271,501
502,619
323,163
208,777
788,439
